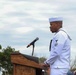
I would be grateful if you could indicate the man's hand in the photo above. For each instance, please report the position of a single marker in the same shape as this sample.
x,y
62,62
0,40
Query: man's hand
x,y
44,66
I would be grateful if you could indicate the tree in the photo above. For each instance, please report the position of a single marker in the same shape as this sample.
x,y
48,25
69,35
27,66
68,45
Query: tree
x,y
73,64
42,59
0,47
5,59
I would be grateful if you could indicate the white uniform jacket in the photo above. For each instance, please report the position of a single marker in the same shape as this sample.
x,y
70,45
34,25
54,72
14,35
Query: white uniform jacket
x,y
60,50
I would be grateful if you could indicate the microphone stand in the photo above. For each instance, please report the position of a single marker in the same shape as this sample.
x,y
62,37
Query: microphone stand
x,y
33,48
33,44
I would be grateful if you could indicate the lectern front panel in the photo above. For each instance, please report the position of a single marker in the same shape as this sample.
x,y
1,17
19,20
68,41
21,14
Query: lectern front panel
x,y
24,70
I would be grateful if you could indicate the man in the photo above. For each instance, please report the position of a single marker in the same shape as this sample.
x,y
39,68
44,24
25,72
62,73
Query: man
x,y
59,60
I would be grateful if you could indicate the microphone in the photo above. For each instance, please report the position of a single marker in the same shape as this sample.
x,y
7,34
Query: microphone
x,y
32,43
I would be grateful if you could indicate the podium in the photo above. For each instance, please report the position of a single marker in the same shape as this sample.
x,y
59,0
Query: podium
x,y
25,64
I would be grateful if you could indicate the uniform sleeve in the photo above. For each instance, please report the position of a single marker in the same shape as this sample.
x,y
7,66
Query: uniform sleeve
x,y
57,46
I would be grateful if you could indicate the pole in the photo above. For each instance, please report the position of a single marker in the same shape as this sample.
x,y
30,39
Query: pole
x,y
33,49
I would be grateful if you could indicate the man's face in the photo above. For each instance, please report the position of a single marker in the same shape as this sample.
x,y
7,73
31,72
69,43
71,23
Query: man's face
x,y
53,27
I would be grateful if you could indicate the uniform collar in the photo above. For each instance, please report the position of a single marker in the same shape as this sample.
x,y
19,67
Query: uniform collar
x,y
61,29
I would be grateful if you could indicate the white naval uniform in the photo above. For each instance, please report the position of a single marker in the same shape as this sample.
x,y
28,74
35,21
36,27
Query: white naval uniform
x,y
59,59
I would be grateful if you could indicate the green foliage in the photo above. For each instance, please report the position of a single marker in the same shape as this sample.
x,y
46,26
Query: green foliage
x,y
5,59
42,59
73,65
0,47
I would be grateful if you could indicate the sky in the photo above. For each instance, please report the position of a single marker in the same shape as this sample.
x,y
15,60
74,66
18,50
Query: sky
x,y
21,21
